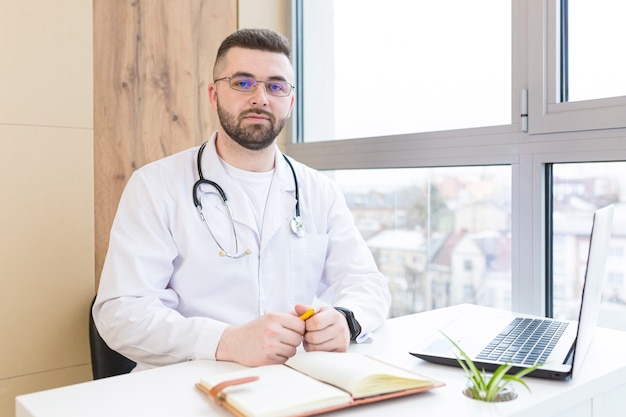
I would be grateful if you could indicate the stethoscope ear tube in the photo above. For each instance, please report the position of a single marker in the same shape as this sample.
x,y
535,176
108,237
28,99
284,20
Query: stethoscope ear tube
x,y
297,227
201,181
295,183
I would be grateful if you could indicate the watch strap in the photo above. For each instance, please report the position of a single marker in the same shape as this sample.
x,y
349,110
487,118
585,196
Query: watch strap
x,y
353,324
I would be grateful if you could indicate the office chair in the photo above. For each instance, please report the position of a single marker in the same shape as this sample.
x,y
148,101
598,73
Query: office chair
x,y
105,361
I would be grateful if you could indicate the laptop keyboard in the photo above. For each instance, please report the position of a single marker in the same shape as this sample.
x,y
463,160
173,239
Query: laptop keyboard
x,y
524,341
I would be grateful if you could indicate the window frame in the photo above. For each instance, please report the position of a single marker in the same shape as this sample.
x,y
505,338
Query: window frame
x,y
528,153
546,111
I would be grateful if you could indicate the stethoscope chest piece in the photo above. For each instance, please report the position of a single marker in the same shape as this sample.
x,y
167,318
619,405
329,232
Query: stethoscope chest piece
x,y
297,227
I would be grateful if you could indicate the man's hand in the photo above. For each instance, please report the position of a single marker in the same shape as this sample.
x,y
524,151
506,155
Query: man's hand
x,y
272,338
326,330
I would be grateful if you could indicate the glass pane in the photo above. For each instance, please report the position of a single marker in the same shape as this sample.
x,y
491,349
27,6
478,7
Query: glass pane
x,y
597,62
373,68
578,189
442,236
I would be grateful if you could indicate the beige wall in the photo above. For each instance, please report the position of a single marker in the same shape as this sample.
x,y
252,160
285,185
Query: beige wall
x,y
46,183
271,14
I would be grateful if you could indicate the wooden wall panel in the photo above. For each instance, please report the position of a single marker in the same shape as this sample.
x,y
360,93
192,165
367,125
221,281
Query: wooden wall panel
x,y
152,62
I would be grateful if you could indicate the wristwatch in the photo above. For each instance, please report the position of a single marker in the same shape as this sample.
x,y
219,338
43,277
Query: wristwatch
x,y
353,324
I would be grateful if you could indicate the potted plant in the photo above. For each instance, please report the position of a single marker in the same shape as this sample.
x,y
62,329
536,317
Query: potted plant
x,y
490,388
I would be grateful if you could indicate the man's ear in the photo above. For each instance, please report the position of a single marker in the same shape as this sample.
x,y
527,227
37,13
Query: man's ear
x,y
212,91
293,102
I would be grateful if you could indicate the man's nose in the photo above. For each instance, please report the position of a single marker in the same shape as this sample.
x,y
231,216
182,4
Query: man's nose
x,y
259,96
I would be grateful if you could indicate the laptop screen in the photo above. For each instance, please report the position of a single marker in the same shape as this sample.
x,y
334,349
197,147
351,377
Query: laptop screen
x,y
592,289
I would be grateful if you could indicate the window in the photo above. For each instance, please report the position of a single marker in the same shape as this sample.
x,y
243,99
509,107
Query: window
x,y
436,65
593,63
615,280
532,141
430,229
580,188
578,82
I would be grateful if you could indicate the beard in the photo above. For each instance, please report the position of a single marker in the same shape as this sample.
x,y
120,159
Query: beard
x,y
254,137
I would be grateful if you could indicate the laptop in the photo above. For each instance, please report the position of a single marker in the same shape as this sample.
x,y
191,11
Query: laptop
x,y
492,337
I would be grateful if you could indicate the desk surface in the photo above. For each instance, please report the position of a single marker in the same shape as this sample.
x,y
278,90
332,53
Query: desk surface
x,y
170,390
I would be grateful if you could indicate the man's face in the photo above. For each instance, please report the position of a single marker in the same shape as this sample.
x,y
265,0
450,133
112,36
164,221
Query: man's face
x,y
252,119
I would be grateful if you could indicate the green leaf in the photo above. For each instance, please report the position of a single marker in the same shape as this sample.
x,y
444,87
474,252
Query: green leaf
x,y
515,379
526,371
494,386
518,376
466,363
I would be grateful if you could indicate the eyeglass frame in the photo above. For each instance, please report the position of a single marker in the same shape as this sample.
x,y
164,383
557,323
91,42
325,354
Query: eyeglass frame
x,y
256,85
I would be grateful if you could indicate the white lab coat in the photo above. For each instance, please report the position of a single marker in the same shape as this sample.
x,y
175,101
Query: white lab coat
x,y
165,294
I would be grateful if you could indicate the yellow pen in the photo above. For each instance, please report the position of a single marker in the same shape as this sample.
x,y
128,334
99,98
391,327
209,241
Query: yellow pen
x,y
307,313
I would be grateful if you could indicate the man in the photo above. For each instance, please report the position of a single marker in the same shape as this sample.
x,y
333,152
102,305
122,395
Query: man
x,y
227,273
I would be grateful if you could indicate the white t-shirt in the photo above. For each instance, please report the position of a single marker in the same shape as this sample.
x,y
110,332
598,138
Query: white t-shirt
x,y
256,186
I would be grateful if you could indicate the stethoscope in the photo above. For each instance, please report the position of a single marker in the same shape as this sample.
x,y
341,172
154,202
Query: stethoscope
x,y
296,222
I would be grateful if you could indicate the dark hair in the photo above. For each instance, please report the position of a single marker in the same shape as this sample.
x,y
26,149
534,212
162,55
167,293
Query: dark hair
x,y
259,39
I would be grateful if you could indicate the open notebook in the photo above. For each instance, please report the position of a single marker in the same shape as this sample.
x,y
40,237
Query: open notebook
x,y
312,383
496,338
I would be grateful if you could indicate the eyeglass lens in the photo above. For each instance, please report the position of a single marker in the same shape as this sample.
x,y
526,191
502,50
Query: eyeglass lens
x,y
248,84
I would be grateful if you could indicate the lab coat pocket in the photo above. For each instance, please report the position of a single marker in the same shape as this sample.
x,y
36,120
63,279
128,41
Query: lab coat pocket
x,y
307,256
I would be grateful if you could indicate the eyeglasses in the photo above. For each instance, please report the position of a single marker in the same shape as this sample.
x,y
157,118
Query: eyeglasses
x,y
250,84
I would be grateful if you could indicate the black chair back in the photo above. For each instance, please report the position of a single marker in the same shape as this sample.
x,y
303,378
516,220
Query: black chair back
x,y
105,362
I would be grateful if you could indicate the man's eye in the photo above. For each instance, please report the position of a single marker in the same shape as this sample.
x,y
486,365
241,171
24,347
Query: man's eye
x,y
276,86
244,84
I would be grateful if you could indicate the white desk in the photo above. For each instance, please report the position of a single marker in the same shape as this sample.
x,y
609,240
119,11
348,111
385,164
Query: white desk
x,y
600,390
